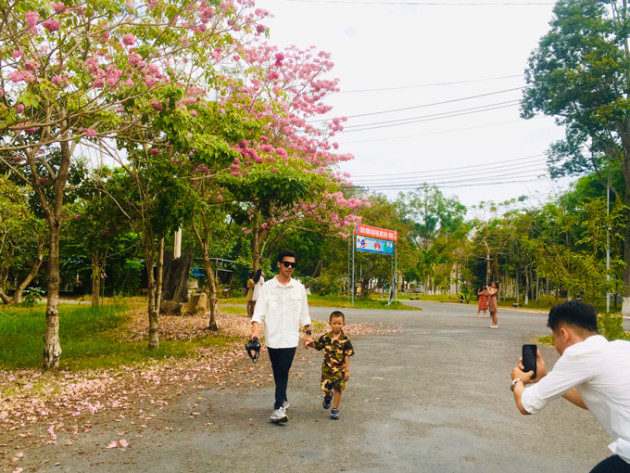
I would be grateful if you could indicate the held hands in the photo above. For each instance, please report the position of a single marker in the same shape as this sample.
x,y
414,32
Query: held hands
x,y
541,370
308,341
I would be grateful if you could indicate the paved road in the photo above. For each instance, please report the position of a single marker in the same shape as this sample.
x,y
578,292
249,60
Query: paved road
x,y
433,397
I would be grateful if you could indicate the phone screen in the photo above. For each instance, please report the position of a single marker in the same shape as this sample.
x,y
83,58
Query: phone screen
x,y
529,359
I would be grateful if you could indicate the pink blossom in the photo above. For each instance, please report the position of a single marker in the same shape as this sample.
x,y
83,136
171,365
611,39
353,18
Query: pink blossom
x,y
123,443
273,75
264,225
128,83
77,217
90,132
154,151
157,106
17,54
58,7
32,18
57,80
98,83
134,59
128,39
51,24
31,130
19,107
193,113
206,14
236,57
113,444
31,65
260,29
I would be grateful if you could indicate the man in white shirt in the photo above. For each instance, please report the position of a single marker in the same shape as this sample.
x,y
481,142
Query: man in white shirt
x,y
282,305
592,373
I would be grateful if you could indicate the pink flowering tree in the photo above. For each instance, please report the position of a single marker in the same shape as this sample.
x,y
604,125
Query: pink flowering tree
x,y
287,175
86,74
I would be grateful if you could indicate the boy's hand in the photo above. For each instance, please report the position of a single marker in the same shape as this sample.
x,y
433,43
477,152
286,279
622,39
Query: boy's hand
x,y
308,341
346,376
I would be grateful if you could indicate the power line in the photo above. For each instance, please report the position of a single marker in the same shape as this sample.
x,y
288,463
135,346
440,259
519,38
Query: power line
x,y
433,4
459,168
414,107
485,182
432,84
432,133
435,116
481,173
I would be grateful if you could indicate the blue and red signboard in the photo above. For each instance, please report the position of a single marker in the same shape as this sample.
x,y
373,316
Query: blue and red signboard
x,y
375,240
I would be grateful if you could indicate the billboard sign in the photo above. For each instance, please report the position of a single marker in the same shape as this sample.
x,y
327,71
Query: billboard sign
x,y
373,245
375,232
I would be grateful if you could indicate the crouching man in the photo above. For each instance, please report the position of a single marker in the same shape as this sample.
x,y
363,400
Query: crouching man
x,y
592,373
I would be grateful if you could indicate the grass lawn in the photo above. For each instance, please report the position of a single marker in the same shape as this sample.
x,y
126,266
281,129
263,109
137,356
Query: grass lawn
x,y
90,338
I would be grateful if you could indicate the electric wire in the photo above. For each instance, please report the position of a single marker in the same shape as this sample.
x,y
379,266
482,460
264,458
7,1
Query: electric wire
x,y
458,168
431,117
431,84
414,107
433,4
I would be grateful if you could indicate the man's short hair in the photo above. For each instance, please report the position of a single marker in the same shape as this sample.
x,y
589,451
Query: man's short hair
x,y
284,254
337,313
577,313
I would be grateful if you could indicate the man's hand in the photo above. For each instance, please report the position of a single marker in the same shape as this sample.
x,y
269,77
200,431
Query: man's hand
x,y
308,340
541,370
254,331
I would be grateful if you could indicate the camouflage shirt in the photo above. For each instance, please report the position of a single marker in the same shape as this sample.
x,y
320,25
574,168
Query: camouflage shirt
x,y
335,351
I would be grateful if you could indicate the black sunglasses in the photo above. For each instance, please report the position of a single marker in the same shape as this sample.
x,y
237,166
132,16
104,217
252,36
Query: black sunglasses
x,y
289,264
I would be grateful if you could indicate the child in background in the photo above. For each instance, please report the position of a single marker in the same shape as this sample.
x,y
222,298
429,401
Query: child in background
x,y
336,365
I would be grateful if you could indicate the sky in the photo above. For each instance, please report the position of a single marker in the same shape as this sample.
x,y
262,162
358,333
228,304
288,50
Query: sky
x,y
431,90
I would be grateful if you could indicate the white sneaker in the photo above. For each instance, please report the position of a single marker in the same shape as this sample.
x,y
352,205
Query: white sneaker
x,y
285,405
279,415
494,326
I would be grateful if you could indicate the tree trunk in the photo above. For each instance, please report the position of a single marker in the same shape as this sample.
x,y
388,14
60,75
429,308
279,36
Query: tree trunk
x,y
52,347
96,278
213,301
625,308
17,295
526,286
152,302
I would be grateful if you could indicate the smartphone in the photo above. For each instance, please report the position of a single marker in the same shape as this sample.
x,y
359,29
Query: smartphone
x,y
529,358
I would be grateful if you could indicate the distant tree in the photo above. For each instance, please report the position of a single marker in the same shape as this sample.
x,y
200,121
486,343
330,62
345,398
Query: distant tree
x,y
22,241
580,74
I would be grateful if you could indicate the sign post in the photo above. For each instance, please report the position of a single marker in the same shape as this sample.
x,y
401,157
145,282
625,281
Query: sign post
x,y
374,240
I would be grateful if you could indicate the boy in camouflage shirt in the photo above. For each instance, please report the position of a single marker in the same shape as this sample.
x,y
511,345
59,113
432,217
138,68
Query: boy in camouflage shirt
x,y
336,366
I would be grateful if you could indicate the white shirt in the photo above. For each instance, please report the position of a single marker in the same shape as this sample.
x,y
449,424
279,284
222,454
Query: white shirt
x,y
257,287
600,371
283,309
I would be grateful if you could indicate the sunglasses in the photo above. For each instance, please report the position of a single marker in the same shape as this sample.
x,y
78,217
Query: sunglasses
x,y
289,264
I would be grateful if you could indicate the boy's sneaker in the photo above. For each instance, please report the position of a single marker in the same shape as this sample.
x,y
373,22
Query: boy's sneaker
x,y
327,400
285,405
279,415
334,414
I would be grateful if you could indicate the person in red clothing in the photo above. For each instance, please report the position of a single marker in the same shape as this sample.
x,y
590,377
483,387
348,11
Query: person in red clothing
x,y
482,292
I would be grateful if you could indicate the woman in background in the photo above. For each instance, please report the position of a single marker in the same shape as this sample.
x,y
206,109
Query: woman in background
x,y
493,291
483,300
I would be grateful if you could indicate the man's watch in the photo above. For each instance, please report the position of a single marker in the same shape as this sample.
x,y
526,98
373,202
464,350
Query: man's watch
x,y
514,381
308,332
